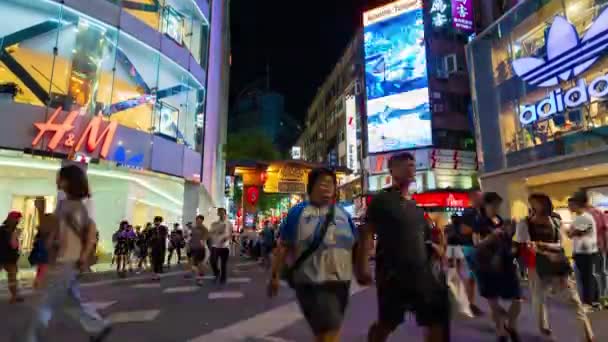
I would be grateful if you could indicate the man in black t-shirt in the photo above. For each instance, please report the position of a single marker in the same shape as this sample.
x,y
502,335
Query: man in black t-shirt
x,y
404,277
158,243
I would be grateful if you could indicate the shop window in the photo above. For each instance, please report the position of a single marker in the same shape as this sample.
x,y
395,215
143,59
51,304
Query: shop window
x,y
84,67
134,84
173,24
28,36
166,120
147,11
179,90
30,220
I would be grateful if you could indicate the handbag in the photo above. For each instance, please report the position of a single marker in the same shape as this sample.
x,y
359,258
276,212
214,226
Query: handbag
x,y
553,264
287,272
459,301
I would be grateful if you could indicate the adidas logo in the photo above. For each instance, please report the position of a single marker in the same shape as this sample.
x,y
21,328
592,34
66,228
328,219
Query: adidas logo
x,y
567,55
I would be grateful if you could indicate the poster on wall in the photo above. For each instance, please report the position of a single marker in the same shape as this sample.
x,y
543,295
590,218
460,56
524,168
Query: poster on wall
x,y
167,120
398,109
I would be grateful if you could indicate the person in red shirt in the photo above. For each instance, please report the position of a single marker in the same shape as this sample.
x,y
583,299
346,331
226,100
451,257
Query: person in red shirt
x,y
601,223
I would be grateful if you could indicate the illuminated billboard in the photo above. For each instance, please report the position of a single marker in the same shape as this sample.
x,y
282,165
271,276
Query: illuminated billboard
x,y
398,109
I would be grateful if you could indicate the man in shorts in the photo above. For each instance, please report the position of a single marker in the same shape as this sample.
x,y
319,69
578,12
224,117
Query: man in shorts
x,y
465,232
197,250
404,277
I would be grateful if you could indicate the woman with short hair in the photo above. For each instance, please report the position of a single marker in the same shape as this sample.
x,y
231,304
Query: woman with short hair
x,y
320,237
71,245
549,270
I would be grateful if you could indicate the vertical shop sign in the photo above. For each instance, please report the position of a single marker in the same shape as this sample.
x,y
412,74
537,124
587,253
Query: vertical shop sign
x,y
462,15
352,160
439,13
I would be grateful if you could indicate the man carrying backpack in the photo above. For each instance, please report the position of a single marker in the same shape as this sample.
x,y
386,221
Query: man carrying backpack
x,y
9,252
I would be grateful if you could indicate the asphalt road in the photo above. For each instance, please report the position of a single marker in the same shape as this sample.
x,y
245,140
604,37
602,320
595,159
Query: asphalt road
x,y
176,310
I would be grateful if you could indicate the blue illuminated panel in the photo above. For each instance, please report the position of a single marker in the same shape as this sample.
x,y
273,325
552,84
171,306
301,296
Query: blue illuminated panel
x,y
398,109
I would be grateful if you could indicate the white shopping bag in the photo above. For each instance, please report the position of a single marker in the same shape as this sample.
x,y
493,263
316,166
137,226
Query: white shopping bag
x,y
458,295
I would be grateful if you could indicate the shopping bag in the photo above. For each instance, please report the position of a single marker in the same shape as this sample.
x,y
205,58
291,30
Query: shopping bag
x,y
459,302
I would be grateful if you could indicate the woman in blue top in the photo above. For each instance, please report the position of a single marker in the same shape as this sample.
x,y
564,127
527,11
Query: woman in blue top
x,y
322,280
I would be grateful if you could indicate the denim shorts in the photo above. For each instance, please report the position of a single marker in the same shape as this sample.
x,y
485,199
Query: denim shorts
x,y
470,256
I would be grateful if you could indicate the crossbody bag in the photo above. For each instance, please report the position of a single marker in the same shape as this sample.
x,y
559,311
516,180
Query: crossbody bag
x,y
288,271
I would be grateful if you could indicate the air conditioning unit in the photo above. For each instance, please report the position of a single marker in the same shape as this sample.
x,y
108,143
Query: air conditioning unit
x,y
450,63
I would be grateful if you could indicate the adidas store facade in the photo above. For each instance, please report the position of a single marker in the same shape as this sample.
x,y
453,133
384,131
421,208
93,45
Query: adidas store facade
x,y
119,86
539,79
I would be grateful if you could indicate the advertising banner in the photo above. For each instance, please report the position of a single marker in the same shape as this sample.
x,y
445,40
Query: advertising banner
x,y
462,15
398,110
352,159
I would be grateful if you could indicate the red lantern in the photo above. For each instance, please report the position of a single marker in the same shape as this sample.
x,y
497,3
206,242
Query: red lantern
x,y
253,195
263,177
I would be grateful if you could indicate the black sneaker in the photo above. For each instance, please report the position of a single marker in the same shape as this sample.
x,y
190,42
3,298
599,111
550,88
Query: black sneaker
x,y
102,335
476,310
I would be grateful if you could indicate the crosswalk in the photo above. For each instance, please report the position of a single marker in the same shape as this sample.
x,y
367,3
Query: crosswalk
x,y
120,308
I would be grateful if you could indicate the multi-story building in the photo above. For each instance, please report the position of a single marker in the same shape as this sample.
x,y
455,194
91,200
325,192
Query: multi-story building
x,y
333,120
263,110
120,88
418,98
539,95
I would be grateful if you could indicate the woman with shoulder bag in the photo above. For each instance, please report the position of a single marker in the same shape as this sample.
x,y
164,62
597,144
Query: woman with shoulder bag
x,y
549,269
71,244
321,237
496,273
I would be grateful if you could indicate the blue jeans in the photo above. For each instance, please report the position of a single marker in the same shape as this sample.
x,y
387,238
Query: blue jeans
x,y
62,292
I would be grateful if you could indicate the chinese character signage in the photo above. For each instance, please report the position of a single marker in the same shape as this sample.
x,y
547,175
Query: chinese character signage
x,y
440,13
352,160
462,15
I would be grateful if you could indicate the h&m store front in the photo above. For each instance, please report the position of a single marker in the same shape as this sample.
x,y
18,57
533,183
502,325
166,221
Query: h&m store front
x,y
540,91
110,87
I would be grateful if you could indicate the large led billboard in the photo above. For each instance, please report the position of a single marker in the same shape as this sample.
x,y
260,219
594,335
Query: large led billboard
x,y
398,109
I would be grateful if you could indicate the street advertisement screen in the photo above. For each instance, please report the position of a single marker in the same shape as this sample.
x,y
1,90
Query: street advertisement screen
x,y
398,109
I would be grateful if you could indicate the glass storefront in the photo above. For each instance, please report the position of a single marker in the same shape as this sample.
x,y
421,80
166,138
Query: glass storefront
x,y
539,82
61,58
118,194
181,20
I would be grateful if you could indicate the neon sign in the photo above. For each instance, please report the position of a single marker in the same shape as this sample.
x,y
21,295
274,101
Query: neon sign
x,y
439,10
568,56
92,136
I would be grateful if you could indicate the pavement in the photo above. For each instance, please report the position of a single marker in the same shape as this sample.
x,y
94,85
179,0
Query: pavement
x,y
175,310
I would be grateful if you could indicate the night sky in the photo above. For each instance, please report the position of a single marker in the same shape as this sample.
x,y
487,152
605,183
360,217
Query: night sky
x,y
301,41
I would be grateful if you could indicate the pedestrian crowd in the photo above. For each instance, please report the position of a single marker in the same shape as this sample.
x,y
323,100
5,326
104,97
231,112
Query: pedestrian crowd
x,y
438,273
65,246
435,273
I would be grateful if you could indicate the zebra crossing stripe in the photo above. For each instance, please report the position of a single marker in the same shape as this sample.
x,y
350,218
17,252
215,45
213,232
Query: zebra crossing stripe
x,y
133,316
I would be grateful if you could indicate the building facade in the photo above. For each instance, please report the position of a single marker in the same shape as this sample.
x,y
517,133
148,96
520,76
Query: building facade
x,y
333,126
123,87
263,110
539,89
